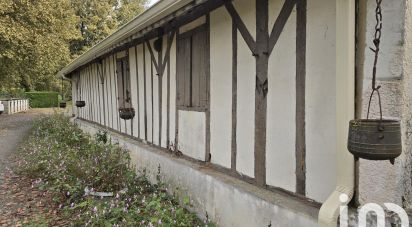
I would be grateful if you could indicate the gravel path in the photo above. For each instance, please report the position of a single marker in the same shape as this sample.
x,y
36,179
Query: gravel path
x,y
19,202
14,129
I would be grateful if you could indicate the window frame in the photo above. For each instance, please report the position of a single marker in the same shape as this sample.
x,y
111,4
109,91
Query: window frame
x,y
124,99
181,105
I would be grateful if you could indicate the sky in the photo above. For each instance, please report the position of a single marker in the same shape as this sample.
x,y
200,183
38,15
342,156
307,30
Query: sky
x,y
151,2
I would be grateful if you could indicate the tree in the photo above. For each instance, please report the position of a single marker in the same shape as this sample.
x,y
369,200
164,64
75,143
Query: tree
x,y
39,37
34,37
100,18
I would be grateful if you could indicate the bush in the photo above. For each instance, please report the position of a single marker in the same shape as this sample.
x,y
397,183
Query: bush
x,y
43,99
71,165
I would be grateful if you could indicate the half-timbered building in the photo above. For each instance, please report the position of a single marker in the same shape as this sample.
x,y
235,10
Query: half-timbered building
x,y
243,104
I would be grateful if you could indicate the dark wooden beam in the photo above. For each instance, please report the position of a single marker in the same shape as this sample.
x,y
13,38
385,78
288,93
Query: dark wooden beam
x,y
234,96
280,23
262,58
300,97
208,155
149,47
145,92
240,25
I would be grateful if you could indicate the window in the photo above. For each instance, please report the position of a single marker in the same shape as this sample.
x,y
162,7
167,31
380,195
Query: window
x,y
123,82
192,73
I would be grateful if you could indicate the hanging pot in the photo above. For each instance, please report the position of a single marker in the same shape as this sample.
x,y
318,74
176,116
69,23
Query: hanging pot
x,y
375,139
62,105
80,104
378,139
126,113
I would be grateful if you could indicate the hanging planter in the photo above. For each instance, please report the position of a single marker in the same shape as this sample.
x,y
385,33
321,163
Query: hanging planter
x,y
80,104
375,139
126,113
62,105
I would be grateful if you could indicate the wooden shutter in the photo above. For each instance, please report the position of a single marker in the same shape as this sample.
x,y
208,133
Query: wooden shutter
x,y
119,73
192,78
183,71
199,72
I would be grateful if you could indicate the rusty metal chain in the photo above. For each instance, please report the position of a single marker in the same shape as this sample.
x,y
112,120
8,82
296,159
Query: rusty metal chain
x,y
376,42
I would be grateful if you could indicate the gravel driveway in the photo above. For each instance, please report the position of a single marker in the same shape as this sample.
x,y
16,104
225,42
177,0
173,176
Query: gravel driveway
x,y
14,129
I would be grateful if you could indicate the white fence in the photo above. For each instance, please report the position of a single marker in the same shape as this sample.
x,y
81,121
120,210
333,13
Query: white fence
x,y
15,106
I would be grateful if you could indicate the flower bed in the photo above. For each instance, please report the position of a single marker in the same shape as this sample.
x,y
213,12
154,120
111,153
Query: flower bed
x,y
77,169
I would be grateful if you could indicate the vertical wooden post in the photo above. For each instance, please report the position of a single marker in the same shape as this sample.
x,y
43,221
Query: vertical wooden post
x,y
262,58
300,97
234,96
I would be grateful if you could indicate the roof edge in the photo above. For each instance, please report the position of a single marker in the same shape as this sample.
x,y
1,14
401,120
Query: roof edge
x,y
155,13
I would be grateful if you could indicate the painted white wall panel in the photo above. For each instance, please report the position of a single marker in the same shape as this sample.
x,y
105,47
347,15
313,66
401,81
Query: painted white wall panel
x,y
246,94
110,108
141,74
149,71
172,128
192,134
134,89
220,87
156,118
116,121
280,132
163,142
320,100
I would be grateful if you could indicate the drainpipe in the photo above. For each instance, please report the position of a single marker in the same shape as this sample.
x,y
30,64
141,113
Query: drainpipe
x,y
361,22
345,111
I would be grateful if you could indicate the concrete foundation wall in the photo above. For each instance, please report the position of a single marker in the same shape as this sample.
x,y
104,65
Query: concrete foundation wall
x,y
227,201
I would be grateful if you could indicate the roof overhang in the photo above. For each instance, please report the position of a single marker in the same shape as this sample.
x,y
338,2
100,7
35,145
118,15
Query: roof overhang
x,y
152,15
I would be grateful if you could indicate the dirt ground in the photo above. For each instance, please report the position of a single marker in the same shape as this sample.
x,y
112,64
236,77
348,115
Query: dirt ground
x,y
20,203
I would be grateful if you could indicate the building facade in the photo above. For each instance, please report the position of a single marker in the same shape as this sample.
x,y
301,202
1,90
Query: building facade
x,y
252,98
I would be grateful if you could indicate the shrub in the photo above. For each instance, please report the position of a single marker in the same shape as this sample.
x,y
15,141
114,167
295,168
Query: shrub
x,y
70,164
43,99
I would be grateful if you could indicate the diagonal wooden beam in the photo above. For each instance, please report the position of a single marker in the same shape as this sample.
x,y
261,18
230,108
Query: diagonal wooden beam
x,y
280,23
149,46
169,46
240,25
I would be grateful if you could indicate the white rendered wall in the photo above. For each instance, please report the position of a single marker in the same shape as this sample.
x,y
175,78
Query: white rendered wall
x,y
155,102
172,128
220,87
134,90
320,100
140,63
192,134
246,79
148,74
281,99
164,98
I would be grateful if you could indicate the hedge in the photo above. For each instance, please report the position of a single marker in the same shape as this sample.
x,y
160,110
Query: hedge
x,y
43,99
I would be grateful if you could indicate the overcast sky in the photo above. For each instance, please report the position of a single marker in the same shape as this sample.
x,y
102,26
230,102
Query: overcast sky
x,y
151,2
